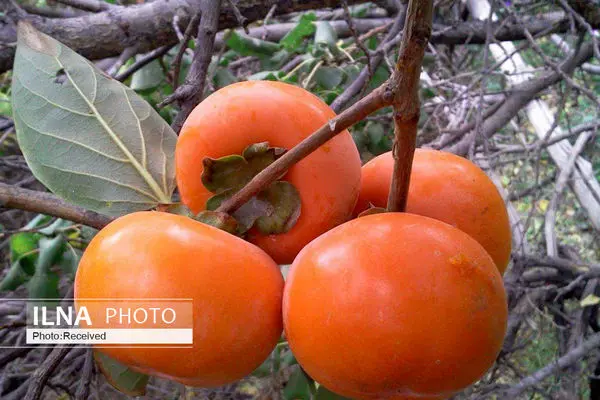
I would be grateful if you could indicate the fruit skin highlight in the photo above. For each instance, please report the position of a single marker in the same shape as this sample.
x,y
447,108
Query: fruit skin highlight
x,y
395,306
448,188
236,290
244,113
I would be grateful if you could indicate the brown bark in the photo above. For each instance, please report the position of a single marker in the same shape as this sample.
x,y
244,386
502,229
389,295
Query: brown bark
x,y
148,26
417,31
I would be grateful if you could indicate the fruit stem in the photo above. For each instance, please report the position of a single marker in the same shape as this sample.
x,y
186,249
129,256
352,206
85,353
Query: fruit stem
x,y
406,103
405,133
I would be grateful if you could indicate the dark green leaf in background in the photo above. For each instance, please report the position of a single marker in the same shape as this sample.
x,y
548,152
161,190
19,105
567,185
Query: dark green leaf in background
x,y
299,386
120,376
148,78
305,27
44,282
329,77
249,46
325,394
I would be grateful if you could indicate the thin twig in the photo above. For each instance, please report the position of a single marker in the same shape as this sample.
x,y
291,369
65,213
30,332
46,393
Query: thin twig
x,y
46,203
357,39
44,371
142,62
568,359
88,369
191,92
362,79
126,55
243,21
183,45
561,183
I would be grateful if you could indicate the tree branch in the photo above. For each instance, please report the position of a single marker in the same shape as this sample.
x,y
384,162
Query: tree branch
x,y
88,372
44,371
148,26
417,31
365,74
588,10
88,5
191,92
565,361
46,203
521,95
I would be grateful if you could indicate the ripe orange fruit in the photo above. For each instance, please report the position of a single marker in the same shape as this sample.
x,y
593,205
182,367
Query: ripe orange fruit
x,y
448,188
236,290
395,306
244,113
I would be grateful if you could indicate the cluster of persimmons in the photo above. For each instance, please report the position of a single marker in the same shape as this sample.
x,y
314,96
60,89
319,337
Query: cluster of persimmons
x,y
382,306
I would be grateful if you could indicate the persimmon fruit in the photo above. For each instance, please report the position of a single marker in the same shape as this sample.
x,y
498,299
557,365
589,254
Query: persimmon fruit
x,y
395,306
448,188
245,113
236,289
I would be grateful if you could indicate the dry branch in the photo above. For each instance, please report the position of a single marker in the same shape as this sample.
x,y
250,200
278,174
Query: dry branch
x,y
417,30
109,33
563,362
49,204
148,25
43,373
191,92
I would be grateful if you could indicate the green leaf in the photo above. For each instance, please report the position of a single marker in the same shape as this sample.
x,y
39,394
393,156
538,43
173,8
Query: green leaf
x,y
325,394
250,46
44,282
305,27
120,151
223,77
375,132
37,221
69,261
54,227
147,78
329,77
120,376
590,300
381,75
263,76
43,285
22,250
299,387
275,62
360,10
5,106
15,277
263,369
325,37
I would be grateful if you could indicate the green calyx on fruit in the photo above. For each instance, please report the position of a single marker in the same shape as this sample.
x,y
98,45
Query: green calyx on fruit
x,y
274,210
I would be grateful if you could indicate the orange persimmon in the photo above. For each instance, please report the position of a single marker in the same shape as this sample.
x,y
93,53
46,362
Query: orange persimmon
x,y
395,306
235,287
449,188
245,113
